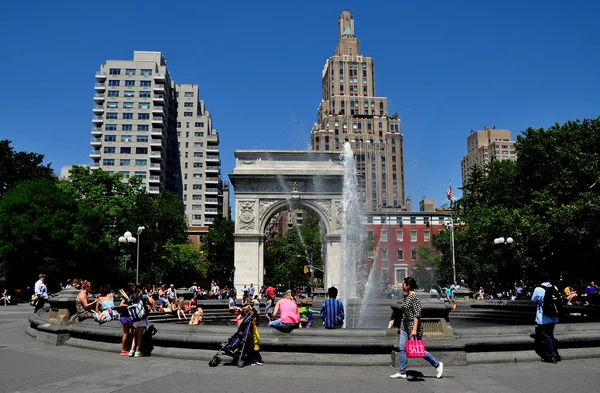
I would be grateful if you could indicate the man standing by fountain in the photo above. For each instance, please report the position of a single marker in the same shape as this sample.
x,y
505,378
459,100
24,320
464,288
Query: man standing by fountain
x,y
546,298
332,310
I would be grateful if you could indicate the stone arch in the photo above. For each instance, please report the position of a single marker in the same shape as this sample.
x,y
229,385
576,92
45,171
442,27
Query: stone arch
x,y
265,182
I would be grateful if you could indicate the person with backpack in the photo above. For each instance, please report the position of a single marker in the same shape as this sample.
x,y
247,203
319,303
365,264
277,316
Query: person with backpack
x,y
548,302
138,312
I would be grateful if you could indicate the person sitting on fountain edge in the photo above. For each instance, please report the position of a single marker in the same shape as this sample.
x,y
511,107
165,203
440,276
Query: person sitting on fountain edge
x,y
332,310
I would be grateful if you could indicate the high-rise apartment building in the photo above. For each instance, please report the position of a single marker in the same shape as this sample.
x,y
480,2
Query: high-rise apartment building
x,y
350,111
134,120
200,163
485,145
147,126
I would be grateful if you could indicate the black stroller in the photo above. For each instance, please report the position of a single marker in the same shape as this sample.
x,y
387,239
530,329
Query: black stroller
x,y
236,344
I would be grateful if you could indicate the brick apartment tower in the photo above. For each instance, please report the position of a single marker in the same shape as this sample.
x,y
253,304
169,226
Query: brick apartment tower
x,y
351,112
147,126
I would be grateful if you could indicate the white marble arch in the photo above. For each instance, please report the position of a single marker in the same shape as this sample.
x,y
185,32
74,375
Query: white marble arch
x,y
268,181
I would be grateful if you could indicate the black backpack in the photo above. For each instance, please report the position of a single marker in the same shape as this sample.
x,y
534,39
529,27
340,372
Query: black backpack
x,y
552,302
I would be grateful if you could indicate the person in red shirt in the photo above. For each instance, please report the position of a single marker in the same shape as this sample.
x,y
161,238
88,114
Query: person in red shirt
x,y
270,293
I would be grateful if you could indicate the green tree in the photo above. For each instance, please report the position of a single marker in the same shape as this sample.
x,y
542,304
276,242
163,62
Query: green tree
x,y
19,166
426,266
43,228
218,245
184,263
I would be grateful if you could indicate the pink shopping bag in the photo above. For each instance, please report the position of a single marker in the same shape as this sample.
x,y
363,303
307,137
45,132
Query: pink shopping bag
x,y
415,349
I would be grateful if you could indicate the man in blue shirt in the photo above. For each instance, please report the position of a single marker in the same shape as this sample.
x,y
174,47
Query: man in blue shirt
x,y
332,310
545,324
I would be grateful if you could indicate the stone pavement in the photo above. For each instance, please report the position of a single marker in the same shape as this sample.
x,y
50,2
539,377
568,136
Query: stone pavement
x,y
30,366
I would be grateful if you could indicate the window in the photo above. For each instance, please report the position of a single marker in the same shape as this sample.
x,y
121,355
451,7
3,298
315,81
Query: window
x,y
111,115
130,83
125,138
413,254
112,104
144,105
197,197
197,176
199,124
142,128
124,162
197,186
400,235
126,127
384,236
113,93
145,83
142,138
141,150
145,72
129,93
413,220
198,144
114,71
384,253
108,162
427,236
198,154
140,175
413,236
197,165
110,127
141,162
125,174
370,235
126,150
110,138
400,254
143,116
197,217
189,94
188,104
127,116
196,207
128,105
188,114
109,150
144,94
130,72
198,133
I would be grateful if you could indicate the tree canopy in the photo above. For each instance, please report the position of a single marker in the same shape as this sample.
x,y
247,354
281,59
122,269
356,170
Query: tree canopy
x,y
19,166
548,201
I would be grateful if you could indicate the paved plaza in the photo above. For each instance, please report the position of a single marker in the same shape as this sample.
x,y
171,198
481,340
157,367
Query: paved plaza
x,y
31,366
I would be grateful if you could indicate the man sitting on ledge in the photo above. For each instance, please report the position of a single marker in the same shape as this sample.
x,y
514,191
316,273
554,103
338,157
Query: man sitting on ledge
x,y
332,310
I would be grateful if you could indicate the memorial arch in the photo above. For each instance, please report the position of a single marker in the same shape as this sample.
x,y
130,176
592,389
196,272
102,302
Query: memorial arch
x,y
266,182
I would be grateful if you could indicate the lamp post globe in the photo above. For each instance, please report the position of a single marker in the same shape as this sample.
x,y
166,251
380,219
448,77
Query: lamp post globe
x,y
509,240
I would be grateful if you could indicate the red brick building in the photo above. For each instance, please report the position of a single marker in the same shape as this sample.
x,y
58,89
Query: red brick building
x,y
397,236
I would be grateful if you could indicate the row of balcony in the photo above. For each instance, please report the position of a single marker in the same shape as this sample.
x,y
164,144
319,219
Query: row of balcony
x,y
211,201
159,77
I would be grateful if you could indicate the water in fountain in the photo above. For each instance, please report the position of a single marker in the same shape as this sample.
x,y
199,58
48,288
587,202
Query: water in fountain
x,y
352,228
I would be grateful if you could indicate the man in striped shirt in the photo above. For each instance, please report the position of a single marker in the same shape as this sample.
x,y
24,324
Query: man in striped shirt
x,y
332,310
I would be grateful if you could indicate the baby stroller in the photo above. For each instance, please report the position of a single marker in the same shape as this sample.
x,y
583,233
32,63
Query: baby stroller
x,y
236,344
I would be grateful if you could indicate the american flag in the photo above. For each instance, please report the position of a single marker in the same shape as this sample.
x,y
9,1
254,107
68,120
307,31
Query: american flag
x,y
449,193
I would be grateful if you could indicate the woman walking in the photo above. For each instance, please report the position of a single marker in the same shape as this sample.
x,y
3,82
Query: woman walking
x,y
410,327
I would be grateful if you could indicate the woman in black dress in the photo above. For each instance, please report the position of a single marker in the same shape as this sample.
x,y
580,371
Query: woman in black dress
x,y
410,327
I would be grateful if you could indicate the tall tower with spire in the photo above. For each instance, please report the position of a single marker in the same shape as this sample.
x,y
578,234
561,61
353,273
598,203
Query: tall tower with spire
x,y
351,112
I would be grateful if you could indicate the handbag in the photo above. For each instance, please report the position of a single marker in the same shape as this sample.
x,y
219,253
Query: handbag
x,y
415,348
34,300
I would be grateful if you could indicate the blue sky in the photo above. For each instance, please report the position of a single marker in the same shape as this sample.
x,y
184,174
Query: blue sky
x,y
446,67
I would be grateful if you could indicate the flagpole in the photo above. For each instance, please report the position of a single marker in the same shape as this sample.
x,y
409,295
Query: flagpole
x,y
450,195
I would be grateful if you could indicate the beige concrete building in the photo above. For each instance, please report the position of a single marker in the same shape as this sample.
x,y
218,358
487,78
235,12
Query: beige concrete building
x,y
134,120
350,111
200,162
485,145
147,126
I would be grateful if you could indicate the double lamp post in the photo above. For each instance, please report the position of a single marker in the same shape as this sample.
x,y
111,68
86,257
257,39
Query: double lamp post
x,y
128,238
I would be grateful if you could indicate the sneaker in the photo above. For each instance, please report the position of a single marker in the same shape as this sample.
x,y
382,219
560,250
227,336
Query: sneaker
x,y
139,355
398,375
124,353
569,304
440,370
131,353
253,364
259,363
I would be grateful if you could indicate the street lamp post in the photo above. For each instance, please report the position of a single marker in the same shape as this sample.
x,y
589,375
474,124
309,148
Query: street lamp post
x,y
128,238
450,225
501,240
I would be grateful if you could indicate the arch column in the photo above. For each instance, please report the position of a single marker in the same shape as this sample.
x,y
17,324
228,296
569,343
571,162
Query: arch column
x,y
248,260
